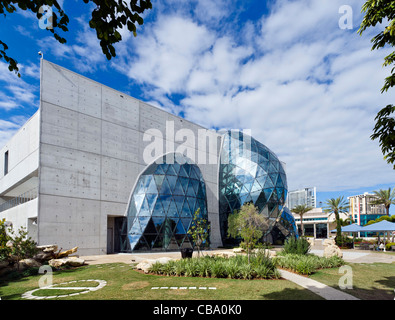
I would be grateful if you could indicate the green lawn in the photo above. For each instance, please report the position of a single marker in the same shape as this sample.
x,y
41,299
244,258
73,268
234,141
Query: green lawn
x,y
374,281
124,283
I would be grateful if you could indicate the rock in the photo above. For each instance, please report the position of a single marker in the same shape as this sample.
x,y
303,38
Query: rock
x,y
48,248
28,263
238,250
328,242
146,264
73,262
332,250
66,253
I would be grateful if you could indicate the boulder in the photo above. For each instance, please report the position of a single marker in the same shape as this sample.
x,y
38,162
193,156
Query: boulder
x,y
66,253
328,242
48,248
69,261
146,264
332,250
28,263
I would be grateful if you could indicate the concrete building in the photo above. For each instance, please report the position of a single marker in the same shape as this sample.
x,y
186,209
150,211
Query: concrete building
x,y
362,211
68,174
307,196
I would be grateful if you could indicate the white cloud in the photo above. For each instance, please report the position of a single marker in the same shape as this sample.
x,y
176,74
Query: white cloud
x,y
307,89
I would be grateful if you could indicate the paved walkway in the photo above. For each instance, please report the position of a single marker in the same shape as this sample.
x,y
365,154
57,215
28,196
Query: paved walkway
x,y
319,288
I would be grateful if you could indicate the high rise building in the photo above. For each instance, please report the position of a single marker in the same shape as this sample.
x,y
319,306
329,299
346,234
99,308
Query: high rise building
x,y
305,196
361,209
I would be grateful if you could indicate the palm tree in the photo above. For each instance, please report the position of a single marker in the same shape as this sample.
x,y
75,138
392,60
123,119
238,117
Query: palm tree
x,y
301,209
337,206
385,197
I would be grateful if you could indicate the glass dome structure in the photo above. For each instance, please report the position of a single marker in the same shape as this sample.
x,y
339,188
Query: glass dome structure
x,y
162,206
249,172
285,226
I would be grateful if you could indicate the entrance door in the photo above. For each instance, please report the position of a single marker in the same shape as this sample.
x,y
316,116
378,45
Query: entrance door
x,y
110,240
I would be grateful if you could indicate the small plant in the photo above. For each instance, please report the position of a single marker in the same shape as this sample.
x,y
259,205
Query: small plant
x,y
199,230
296,246
247,224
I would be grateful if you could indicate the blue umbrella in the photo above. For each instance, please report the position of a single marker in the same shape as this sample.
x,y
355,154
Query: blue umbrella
x,y
383,226
352,228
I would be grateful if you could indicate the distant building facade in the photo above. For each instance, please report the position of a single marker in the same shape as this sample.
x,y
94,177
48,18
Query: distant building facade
x,y
362,211
307,196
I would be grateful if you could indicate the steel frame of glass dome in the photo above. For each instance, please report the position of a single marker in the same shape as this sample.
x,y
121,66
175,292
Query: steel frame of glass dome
x,y
249,172
162,206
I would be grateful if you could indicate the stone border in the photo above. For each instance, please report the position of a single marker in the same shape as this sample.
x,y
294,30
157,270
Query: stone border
x,y
29,294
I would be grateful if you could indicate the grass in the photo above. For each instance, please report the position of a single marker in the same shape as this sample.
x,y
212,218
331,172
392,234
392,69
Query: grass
x,y
124,283
371,281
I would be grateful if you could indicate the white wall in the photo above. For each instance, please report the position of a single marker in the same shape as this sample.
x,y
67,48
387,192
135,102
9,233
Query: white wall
x,y
91,153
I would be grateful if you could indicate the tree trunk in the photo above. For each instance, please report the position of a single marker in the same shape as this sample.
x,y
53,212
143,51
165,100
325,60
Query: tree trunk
x,y
301,224
338,228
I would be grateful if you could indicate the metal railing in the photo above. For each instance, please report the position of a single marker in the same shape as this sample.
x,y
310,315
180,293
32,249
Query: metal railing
x,y
22,198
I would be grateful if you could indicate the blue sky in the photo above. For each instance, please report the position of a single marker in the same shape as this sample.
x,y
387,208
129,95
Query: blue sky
x,y
305,87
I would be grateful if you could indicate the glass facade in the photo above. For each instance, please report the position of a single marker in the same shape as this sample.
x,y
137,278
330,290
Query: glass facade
x,y
249,172
162,206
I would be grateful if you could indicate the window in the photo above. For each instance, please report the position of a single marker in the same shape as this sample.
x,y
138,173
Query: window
x,y
5,162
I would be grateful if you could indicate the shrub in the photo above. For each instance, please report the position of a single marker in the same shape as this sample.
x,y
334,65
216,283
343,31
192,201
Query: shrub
x,y
306,264
260,266
388,245
296,246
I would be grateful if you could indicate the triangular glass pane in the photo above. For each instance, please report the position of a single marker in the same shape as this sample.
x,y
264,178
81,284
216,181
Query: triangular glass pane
x,y
178,188
260,172
144,222
190,191
184,183
172,181
256,187
171,171
133,239
145,209
151,199
152,187
158,209
186,223
179,239
186,212
179,228
165,188
179,200
201,194
279,182
138,201
150,238
135,228
158,181
176,168
269,183
193,174
158,222
192,204
172,211
268,193
255,195
182,172
159,169
274,176
142,244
